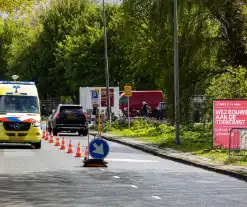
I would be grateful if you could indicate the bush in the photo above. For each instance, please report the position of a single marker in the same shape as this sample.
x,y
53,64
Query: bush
x,y
193,136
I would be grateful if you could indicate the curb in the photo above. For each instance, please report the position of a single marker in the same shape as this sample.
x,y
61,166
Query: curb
x,y
176,159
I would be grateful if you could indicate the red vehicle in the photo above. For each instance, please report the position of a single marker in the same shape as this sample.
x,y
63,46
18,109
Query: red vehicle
x,y
152,98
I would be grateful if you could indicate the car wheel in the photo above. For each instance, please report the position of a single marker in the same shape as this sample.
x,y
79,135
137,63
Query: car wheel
x,y
54,132
37,145
83,133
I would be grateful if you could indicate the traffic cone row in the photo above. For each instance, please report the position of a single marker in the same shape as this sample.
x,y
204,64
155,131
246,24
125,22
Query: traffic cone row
x,y
70,148
78,150
63,145
49,137
86,156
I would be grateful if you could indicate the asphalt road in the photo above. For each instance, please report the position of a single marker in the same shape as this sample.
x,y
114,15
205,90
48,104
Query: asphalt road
x,y
51,177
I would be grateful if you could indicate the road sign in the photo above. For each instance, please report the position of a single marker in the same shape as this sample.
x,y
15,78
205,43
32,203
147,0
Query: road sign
x,y
95,94
98,148
128,91
95,97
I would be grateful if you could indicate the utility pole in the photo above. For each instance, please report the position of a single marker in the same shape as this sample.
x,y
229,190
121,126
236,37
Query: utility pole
x,y
106,67
176,74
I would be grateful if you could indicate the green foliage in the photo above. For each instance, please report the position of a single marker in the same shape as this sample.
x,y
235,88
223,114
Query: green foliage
x,y
193,137
11,5
62,46
231,160
230,85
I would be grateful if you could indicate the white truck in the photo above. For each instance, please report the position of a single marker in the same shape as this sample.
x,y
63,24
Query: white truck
x,y
87,99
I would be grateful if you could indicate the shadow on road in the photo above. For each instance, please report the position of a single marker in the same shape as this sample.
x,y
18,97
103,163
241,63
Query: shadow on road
x,y
15,146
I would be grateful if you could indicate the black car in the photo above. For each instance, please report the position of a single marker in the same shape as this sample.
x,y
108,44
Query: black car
x,y
69,118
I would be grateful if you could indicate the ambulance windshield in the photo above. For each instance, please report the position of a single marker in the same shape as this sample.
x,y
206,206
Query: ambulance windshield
x,y
19,104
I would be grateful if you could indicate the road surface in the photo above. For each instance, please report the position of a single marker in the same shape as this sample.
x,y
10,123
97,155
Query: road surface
x,y
51,177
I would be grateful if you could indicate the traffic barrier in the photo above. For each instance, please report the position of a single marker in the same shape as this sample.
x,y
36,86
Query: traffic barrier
x,y
70,149
78,151
51,139
57,144
86,153
63,145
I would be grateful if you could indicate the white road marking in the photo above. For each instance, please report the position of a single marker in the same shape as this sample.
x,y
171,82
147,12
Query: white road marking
x,y
116,177
157,197
133,186
130,160
102,169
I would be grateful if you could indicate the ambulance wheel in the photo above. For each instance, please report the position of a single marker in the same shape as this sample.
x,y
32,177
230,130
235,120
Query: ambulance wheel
x,y
37,145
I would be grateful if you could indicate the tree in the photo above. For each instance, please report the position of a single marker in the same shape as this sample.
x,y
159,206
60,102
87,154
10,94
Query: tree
x,y
229,13
152,36
13,5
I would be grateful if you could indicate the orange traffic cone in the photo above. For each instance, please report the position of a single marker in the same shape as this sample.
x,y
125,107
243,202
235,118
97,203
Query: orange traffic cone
x,y
63,145
70,150
78,151
46,137
86,153
57,144
51,139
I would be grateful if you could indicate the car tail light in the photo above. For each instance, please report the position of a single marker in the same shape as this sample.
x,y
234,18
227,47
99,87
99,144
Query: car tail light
x,y
57,116
84,116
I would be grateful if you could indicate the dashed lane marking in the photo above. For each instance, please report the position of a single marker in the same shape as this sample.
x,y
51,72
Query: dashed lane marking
x,y
116,177
156,197
133,186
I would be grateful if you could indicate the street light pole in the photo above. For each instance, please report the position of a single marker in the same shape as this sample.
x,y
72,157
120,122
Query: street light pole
x,y
106,66
176,74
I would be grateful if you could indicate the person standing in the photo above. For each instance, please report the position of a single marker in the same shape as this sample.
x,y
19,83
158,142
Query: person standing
x,y
144,110
94,115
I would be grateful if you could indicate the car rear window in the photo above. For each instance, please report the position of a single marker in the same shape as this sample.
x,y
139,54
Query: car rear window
x,y
71,110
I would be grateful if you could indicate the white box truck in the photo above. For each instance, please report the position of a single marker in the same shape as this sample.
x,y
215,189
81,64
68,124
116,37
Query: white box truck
x,y
87,101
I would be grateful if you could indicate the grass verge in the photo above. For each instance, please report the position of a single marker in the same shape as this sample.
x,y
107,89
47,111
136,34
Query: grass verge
x,y
195,139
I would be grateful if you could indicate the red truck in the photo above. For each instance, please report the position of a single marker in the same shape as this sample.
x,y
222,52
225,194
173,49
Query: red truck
x,y
152,98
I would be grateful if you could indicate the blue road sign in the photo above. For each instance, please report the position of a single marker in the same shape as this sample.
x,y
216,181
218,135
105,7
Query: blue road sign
x,y
98,148
95,94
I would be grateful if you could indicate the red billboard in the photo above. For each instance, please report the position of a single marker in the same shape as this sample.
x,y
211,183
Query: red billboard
x,y
228,114
104,97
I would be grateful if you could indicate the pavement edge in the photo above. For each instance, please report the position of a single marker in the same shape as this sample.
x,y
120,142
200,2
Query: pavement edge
x,y
237,175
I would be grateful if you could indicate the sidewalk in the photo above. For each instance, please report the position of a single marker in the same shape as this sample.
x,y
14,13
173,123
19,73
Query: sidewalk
x,y
178,156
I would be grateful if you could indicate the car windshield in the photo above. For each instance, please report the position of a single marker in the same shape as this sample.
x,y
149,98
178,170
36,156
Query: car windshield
x,y
19,104
71,110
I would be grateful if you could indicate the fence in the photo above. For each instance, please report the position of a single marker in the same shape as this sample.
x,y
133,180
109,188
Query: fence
x,y
50,103
237,141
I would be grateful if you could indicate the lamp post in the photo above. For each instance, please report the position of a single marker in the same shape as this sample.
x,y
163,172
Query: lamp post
x,y
106,67
176,74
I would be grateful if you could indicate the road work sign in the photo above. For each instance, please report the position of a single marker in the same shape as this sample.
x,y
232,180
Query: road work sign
x,y
229,114
98,148
127,91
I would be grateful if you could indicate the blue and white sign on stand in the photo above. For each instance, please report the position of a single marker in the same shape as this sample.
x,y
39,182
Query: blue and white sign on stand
x,y
98,148
95,97
95,94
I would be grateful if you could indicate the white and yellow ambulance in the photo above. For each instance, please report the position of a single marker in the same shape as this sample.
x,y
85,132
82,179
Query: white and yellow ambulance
x,y
20,113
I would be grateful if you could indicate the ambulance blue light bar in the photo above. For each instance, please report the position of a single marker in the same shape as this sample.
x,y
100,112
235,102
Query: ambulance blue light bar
x,y
9,93
17,82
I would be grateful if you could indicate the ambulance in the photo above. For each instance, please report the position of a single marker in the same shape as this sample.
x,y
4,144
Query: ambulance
x,y
20,113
